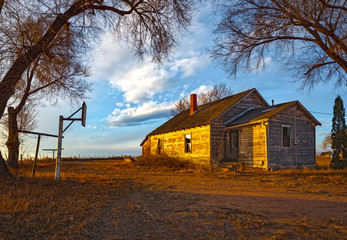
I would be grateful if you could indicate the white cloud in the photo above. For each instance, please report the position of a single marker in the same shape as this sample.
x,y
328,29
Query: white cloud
x,y
202,89
322,134
139,115
109,59
190,65
198,91
141,80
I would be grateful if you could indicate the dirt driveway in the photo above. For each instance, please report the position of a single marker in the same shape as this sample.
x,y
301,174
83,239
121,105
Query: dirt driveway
x,y
259,194
302,205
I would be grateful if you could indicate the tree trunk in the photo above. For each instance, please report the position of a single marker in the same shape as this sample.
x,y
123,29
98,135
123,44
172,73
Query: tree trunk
x,y
13,75
1,4
4,172
12,141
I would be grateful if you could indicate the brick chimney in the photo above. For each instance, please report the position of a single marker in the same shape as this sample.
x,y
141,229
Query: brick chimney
x,y
193,104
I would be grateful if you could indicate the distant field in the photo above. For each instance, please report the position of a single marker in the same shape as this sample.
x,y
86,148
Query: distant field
x,y
112,199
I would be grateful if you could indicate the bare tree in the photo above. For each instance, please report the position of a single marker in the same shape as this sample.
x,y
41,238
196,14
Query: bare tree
x,y
148,25
180,106
218,91
45,80
327,142
309,36
55,72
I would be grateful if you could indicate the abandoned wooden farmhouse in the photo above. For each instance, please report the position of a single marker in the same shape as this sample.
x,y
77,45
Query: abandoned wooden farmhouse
x,y
241,128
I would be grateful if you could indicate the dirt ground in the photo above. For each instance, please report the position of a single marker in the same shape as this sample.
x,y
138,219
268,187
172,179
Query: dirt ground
x,y
117,200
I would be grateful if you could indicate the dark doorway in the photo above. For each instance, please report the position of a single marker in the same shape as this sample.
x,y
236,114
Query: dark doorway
x,y
234,145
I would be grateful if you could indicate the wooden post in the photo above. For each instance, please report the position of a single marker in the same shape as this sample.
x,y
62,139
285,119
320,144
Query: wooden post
x,y
21,158
36,153
60,139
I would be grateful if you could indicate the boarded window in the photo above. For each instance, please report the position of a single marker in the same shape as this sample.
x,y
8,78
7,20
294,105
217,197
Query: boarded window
x,y
286,136
160,146
188,143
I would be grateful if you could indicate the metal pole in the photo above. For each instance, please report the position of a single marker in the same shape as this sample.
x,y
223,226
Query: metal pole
x,y
60,139
36,153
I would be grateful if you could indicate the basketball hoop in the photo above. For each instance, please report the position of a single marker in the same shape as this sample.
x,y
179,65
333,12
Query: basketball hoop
x,y
62,130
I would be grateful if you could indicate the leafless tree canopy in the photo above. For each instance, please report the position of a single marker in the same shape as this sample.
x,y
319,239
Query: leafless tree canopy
x,y
308,36
149,26
218,91
326,142
55,72
180,106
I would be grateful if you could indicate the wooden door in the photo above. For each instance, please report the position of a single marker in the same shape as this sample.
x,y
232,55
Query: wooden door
x,y
234,145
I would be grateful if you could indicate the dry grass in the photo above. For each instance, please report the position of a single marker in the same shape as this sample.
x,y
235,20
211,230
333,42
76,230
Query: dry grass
x,y
166,162
323,161
117,200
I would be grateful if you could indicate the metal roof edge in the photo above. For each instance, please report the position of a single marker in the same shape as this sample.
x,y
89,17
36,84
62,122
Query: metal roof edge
x,y
239,115
249,123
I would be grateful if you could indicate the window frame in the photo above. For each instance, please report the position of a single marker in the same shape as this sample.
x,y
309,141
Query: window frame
x,y
190,143
283,137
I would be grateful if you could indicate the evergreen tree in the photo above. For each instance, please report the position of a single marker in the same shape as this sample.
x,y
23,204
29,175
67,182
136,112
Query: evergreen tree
x,y
339,135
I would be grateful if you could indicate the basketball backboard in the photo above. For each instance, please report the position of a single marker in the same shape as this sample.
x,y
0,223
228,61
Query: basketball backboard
x,y
84,114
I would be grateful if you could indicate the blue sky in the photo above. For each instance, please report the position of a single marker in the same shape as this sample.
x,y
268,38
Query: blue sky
x,y
130,98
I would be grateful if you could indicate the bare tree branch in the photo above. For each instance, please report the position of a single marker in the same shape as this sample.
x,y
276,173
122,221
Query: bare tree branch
x,y
149,25
308,36
1,4
342,7
218,91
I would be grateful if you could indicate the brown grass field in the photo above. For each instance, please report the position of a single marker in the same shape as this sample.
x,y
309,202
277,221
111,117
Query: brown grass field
x,y
112,199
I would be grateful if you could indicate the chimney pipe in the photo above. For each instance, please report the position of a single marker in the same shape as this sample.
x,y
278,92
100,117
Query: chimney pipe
x,y
193,104
273,102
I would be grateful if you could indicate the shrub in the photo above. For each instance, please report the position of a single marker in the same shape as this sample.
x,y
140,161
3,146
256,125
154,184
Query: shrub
x,y
163,161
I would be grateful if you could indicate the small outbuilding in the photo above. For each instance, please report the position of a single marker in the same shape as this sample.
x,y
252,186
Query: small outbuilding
x,y
242,128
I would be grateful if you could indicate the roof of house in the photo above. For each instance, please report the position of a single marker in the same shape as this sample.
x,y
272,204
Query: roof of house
x,y
205,114
259,114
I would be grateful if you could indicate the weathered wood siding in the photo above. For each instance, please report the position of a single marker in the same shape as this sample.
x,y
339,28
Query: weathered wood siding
x,y
302,130
174,144
259,146
246,145
252,146
219,137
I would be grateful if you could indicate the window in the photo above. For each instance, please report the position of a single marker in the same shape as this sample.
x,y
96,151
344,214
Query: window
x,y
286,136
160,146
188,143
